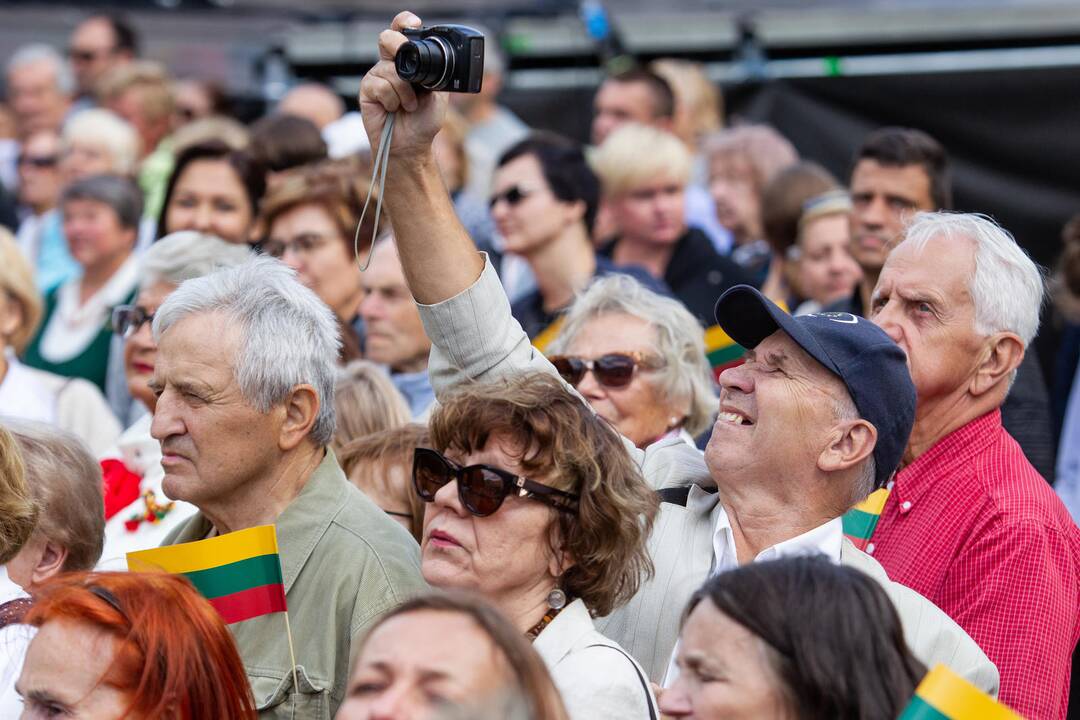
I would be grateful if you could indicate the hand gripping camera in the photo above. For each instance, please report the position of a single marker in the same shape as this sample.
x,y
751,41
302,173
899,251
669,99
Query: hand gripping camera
x,y
444,57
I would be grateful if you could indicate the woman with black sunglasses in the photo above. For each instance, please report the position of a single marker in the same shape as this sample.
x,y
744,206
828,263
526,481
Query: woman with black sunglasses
x,y
639,360
536,506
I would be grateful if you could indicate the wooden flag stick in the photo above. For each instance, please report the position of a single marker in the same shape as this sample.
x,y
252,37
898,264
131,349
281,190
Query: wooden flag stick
x,y
292,653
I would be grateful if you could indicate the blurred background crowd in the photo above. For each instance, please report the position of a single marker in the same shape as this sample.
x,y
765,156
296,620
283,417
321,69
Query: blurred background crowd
x,y
622,167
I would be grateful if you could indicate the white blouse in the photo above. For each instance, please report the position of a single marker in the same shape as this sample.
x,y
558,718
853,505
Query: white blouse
x,y
596,677
72,327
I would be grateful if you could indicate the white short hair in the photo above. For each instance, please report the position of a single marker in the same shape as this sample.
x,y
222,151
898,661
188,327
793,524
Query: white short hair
x,y
37,52
186,255
288,335
1007,287
680,341
101,127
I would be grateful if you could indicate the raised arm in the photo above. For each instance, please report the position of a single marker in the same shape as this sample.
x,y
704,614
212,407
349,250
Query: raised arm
x,y
437,254
462,303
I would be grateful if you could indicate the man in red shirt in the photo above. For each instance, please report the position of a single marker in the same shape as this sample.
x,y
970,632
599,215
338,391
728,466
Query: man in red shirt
x,y
969,523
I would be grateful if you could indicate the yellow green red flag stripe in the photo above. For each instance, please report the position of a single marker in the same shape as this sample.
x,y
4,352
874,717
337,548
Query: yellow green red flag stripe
x,y
722,351
861,520
548,334
239,573
944,695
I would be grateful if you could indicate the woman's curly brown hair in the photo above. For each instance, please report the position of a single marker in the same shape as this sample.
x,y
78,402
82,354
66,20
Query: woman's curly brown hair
x,y
563,444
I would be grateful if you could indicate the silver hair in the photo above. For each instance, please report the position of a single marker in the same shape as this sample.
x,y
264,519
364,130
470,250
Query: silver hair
x,y
37,52
289,336
1007,287
680,341
101,127
186,255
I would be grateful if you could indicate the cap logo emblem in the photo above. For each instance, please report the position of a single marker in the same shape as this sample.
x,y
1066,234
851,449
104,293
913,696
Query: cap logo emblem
x,y
838,317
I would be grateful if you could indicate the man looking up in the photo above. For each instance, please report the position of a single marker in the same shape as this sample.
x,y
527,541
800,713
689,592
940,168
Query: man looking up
x,y
244,379
969,522
817,435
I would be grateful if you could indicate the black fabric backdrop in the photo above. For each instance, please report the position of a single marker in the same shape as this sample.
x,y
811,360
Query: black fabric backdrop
x,y
1013,136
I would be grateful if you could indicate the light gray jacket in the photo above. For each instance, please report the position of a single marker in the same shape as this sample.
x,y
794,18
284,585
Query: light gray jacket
x,y
474,337
596,677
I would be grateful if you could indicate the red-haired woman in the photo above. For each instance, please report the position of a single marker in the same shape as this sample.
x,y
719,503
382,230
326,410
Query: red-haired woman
x,y
130,645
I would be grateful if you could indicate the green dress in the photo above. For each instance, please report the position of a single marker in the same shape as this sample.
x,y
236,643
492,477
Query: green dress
x,y
91,364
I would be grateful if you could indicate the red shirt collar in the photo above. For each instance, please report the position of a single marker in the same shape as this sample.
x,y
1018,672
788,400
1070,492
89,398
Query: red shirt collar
x,y
945,457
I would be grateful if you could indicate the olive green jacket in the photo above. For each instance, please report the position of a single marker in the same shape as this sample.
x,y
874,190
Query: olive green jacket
x,y
344,563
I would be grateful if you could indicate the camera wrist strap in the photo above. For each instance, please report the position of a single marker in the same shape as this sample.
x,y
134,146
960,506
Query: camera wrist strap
x,y
378,180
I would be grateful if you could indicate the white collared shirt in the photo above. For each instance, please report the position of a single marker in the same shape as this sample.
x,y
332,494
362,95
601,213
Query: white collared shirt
x,y
73,326
826,539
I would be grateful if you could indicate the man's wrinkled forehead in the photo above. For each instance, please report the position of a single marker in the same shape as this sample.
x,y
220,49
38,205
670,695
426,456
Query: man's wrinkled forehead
x,y
779,349
202,335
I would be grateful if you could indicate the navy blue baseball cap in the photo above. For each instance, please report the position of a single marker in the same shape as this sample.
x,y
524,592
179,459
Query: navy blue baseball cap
x,y
871,366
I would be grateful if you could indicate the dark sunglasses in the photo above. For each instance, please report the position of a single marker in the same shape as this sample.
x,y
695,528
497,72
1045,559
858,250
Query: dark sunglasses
x,y
41,161
614,370
512,196
127,319
481,488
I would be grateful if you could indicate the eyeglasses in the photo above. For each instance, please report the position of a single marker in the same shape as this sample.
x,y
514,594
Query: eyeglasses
x,y
481,488
41,162
614,370
300,245
127,319
512,196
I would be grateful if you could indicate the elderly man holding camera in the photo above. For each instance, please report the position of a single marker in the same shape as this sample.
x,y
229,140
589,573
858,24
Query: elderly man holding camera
x,y
816,420
244,379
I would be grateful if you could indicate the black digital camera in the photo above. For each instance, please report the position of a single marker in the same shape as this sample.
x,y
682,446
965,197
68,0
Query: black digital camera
x,y
444,57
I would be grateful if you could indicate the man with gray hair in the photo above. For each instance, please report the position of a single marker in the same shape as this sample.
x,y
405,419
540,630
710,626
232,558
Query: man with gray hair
x,y
244,381
969,522
39,87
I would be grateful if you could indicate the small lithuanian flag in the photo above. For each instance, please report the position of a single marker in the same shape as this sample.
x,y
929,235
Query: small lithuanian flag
x,y
722,351
944,695
861,520
239,573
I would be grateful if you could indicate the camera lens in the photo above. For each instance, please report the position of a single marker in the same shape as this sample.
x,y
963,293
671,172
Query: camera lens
x,y
408,61
427,63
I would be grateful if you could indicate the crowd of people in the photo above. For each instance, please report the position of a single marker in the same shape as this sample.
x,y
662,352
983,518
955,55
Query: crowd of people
x,y
672,424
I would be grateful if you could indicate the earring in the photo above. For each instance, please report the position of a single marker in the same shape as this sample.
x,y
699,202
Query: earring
x,y
556,599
